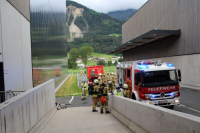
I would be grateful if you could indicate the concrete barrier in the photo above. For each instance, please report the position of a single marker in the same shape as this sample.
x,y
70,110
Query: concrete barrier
x,y
154,119
21,113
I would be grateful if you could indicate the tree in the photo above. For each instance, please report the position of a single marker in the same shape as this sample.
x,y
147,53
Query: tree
x,y
73,55
84,52
109,63
101,62
115,63
120,60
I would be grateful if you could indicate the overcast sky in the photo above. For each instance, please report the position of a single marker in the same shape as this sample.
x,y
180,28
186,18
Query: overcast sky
x,y
106,6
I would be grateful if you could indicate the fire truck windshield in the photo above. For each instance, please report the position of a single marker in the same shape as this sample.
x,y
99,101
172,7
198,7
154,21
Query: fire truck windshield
x,y
159,78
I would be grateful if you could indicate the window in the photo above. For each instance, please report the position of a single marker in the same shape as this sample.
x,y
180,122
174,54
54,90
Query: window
x,y
128,73
137,77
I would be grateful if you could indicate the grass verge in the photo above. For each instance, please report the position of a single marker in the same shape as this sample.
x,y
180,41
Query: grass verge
x,y
69,88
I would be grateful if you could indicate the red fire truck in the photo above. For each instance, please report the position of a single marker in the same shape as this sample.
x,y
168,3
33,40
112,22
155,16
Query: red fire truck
x,y
151,82
92,73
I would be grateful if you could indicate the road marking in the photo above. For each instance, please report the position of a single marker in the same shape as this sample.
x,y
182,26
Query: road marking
x,y
71,100
189,108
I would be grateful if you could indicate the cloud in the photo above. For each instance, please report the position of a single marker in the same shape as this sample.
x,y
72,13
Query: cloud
x,y
106,6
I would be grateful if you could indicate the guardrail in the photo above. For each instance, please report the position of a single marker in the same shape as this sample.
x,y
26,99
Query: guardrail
x,y
151,118
6,95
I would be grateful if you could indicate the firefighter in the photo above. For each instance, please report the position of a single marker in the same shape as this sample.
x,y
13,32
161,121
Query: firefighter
x,y
101,85
125,87
104,79
110,87
100,76
119,90
104,92
95,94
84,89
81,72
100,81
115,77
107,78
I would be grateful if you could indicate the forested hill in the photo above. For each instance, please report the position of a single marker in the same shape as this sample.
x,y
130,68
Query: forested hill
x,y
88,27
122,15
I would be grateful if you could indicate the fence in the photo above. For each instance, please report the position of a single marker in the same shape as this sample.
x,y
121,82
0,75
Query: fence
x,y
6,95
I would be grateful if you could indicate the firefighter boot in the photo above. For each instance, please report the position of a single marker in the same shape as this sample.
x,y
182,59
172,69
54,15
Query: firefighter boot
x,y
107,112
102,111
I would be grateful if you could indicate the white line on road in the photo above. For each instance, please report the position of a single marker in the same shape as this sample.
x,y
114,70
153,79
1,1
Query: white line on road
x,y
189,108
71,100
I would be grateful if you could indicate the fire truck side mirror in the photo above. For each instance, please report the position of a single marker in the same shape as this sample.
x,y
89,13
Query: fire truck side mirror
x,y
179,73
179,79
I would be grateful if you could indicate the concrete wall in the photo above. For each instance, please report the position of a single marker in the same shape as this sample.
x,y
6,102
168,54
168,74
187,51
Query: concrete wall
x,y
21,113
16,43
154,119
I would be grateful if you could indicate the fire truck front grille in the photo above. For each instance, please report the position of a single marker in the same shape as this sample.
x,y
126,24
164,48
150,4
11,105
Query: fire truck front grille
x,y
160,96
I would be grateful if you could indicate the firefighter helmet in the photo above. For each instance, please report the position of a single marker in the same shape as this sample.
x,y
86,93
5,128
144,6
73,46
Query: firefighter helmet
x,y
96,81
117,85
125,86
110,82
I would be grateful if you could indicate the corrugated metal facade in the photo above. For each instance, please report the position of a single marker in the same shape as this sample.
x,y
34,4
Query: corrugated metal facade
x,y
165,15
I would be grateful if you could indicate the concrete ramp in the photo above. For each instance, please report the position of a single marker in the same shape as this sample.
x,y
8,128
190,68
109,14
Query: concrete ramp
x,y
83,120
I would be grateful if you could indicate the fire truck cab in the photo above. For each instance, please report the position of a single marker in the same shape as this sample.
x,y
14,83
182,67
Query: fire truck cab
x,y
151,82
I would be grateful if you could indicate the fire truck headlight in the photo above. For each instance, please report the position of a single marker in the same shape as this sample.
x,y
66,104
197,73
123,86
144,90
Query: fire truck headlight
x,y
177,101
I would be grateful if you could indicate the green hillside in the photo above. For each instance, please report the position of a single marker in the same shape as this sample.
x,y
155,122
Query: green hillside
x,y
122,15
99,30
99,23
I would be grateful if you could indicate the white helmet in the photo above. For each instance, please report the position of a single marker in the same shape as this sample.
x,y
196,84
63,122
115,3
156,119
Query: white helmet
x,y
125,86
100,74
117,85
110,82
83,80
96,81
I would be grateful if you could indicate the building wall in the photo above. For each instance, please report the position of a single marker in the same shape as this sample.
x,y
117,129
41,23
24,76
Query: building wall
x,y
48,33
1,57
183,52
23,6
16,48
166,15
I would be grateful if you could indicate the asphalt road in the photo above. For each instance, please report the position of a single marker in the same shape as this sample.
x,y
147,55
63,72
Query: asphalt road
x,y
190,100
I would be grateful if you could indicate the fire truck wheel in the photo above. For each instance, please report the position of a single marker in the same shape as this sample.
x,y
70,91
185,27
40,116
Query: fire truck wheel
x,y
133,96
171,107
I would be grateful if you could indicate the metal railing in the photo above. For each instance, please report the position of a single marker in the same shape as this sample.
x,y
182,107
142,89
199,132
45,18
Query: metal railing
x,y
6,95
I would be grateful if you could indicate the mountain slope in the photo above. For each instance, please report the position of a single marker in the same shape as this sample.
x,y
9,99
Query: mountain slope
x,y
91,21
88,27
122,15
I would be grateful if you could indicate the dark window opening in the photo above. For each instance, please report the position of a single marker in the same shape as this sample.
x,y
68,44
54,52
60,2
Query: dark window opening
x,y
128,73
137,77
2,98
